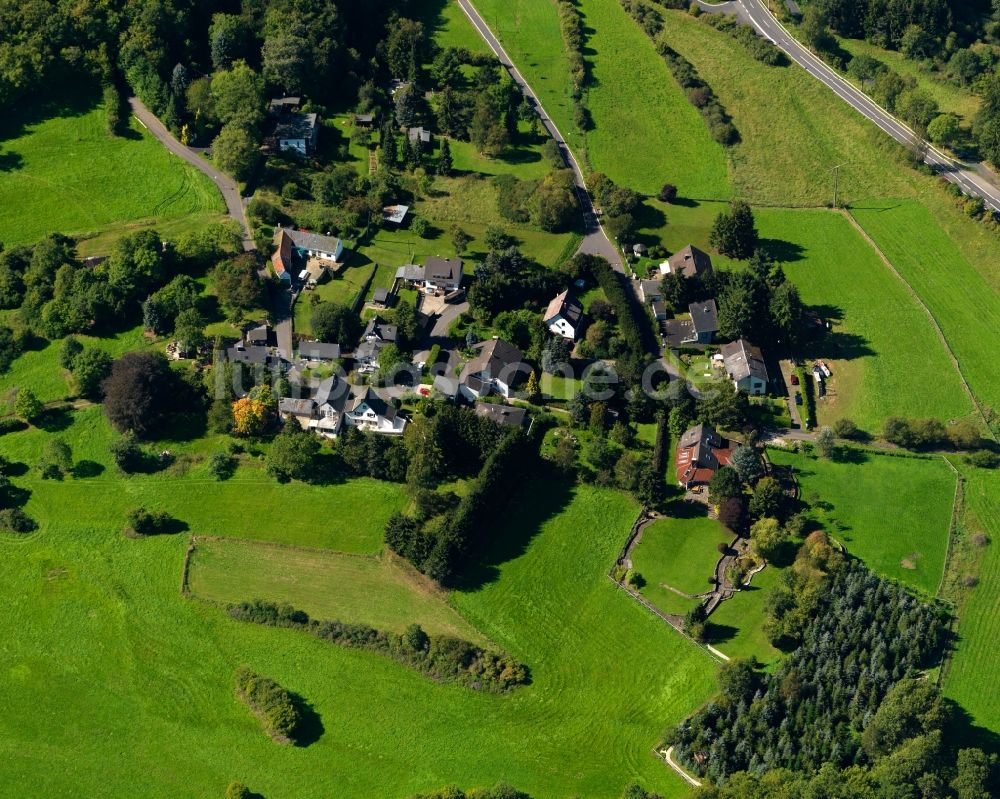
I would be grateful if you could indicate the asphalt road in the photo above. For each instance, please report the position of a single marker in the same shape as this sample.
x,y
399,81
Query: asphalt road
x,y
595,241
280,296
755,12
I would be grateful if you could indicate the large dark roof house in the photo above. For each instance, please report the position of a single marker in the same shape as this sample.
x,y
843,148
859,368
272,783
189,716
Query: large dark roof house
x,y
688,262
745,366
498,366
503,414
443,273
704,320
378,329
564,316
701,452
297,133
368,411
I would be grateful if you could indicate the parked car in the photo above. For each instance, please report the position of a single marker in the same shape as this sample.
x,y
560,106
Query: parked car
x,y
795,380
798,398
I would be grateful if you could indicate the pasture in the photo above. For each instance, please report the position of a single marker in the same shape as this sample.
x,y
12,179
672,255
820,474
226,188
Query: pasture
x,y
60,171
383,591
736,626
98,632
962,300
973,664
892,512
879,371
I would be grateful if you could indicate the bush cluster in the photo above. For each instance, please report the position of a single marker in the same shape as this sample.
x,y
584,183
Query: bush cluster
x,y
920,434
442,658
571,25
273,705
760,48
146,522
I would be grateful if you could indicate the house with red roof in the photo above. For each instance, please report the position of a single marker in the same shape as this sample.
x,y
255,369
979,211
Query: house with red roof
x,y
701,452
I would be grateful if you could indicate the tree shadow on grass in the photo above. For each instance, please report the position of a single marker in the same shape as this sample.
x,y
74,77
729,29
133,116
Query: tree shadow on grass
x,y
310,728
685,509
53,420
544,496
720,633
85,468
10,161
782,251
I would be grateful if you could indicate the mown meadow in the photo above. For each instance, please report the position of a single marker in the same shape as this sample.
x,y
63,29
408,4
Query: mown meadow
x,y
61,171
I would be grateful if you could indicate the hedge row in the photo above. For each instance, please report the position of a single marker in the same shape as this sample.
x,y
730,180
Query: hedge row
x,y
617,296
571,25
442,658
440,553
699,93
272,704
808,386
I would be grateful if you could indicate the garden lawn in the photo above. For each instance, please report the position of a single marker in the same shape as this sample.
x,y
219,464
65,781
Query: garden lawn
x,y
62,172
892,512
736,626
885,356
973,666
343,288
384,592
679,552
96,631
965,304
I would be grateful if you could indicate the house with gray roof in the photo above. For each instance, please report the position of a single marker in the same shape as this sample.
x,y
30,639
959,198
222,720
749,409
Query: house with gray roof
x,y
498,366
297,133
319,351
503,414
368,411
687,262
745,366
313,245
704,320
443,273
564,316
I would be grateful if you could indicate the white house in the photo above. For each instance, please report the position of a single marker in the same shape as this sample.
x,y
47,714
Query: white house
x,y
313,245
370,412
564,316
498,366
297,133
745,367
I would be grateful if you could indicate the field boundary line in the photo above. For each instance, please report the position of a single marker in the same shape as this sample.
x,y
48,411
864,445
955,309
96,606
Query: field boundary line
x,y
930,315
279,545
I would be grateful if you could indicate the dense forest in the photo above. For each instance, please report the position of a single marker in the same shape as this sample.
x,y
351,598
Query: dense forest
x,y
851,711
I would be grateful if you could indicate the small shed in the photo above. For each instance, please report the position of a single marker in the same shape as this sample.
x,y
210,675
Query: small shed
x,y
381,298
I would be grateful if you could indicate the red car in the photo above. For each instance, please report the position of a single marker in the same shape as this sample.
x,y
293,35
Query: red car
x,y
795,380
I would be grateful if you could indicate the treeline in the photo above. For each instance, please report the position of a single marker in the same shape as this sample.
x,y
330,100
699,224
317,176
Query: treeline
x,y
764,50
441,658
12,518
917,27
501,791
273,705
571,25
439,543
848,695
699,93
551,203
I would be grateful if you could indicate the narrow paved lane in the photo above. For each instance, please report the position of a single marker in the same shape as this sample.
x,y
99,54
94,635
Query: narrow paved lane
x,y
281,305
973,181
595,241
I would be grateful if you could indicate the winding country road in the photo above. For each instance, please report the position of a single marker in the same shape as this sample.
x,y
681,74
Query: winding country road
x,y
970,179
280,296
595,240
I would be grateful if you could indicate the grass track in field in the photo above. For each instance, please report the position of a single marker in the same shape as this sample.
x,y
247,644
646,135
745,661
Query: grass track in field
x,y
384,591
965,306
884,509
63,172
973,666
879,371
97,631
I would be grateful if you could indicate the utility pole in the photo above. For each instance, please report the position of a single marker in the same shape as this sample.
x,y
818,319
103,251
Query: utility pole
x,y
836,181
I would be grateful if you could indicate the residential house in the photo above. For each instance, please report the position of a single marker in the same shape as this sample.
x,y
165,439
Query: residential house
x,y
411,275
368,411
444,274
745,367
282,258
319,351
421,135
381,298
381,331
297,133
364,120
564,316
659,310
260,336
650,291
330,398
281,106
701,452
302,410
395,214
504,414
376,335
704,320
497,366
688,262
313,245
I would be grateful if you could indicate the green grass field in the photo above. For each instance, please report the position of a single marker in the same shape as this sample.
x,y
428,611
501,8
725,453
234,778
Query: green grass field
x,y
679,551
878,371
735,628
894,513
384,591
98,632
61,171
964,304
973,666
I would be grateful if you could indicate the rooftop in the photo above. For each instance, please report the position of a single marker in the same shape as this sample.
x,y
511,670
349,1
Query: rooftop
x,y
307,240
296,126
704,316
743,360
689,262
502,414
566,306
395,213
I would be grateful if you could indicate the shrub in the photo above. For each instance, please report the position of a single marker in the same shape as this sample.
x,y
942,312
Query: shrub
x,y
668,192
237,790
128,456
27,407
56,460
420,226
144,522
984,459
221,465
15,520
845,428
273,705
